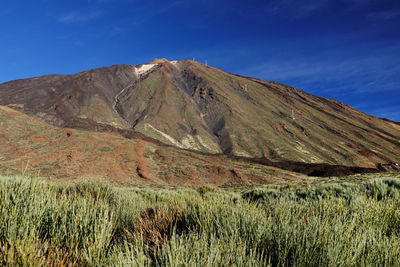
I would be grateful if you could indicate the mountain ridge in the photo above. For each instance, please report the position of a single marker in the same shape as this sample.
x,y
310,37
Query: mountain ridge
x,y
193,106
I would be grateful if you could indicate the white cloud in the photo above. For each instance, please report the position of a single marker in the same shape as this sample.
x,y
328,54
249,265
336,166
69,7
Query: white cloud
x,y
335,72
391,112
294,8
78,17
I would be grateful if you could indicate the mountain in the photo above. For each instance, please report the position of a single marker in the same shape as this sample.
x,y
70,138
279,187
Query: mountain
x,y
32,147
197,107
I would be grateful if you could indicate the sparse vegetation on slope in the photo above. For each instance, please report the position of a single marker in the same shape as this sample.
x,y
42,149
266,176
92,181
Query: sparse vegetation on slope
x,y
95,223
189,105
26,143
34,146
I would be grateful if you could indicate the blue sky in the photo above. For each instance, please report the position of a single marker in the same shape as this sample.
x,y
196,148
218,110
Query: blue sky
x,y
347,50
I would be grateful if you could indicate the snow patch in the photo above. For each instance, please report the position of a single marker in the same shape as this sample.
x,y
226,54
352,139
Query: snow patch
x,y
144,68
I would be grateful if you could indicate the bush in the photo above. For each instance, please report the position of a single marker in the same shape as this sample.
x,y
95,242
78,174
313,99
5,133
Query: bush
x,y
97,224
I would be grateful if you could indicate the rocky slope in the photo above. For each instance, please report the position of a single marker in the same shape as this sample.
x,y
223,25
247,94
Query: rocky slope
x,y
192,106
31,147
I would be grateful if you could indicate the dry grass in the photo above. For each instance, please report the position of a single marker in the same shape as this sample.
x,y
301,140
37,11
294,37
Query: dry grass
x,y
156,225
95,224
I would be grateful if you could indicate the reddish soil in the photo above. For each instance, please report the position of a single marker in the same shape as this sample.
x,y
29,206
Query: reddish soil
x,y
366,153
142,170
70,153
352,146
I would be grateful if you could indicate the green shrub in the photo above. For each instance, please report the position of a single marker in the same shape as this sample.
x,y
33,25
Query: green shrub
x,y
205,189
93,223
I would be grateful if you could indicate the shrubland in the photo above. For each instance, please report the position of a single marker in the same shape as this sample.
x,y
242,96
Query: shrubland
x,y
94,223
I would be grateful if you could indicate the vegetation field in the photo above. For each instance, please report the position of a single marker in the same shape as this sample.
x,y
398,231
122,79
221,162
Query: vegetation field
x,y
353,222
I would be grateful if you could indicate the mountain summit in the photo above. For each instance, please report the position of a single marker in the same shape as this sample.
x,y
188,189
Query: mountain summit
x,y
198,107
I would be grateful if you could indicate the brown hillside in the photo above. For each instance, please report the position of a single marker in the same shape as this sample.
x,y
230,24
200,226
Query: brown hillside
x,y
189,105
38,148
33,147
